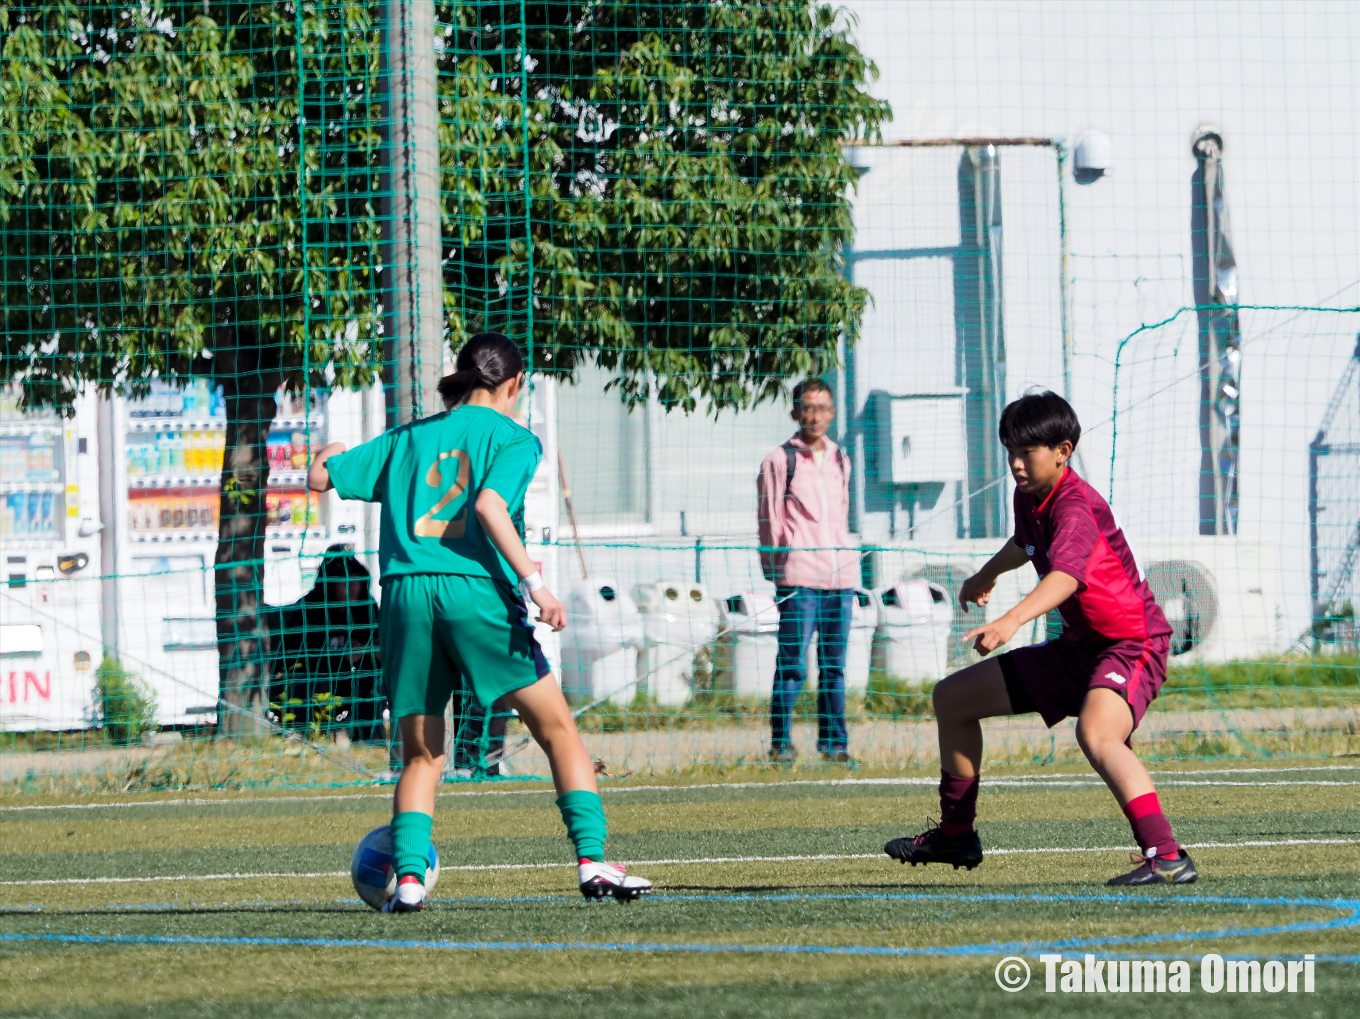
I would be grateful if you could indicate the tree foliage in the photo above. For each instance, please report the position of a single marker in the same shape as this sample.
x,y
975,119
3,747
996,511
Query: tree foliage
x,y
689,196
193,188
170,171
184,192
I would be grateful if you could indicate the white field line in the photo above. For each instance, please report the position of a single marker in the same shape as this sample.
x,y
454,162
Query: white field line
x,y
1056,779
663,863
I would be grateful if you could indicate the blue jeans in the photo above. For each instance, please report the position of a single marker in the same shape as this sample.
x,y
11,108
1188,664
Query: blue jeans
x,y
803,610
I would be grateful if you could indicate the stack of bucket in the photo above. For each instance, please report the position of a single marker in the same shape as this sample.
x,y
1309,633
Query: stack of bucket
x,y
600,644
749,643
913,635
679,620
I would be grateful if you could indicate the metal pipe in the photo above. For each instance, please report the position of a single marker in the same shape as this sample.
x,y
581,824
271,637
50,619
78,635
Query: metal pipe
x,y
939,143
413,308
366,432
652,434
108,519
1064,273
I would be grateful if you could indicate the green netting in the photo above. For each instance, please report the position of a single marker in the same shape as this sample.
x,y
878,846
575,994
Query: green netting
x,y
231,238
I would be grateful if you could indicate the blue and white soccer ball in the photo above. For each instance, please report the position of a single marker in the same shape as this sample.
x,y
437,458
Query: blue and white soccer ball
x,y
371,870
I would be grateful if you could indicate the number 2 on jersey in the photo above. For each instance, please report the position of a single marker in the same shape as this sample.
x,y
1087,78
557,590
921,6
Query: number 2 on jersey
x,y
426,526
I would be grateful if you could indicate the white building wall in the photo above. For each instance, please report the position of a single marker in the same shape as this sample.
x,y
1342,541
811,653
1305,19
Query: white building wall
x,y
1280,81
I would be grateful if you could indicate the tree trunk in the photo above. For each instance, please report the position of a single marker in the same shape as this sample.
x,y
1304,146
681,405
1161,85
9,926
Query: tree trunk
x,y
249,376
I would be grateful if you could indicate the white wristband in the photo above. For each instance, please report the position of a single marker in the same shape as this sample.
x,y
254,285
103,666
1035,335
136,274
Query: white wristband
x,y
533,582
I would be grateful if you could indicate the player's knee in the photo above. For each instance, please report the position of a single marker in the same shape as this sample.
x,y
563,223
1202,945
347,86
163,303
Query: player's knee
x,y
947,702
1095,742
420,757
553,727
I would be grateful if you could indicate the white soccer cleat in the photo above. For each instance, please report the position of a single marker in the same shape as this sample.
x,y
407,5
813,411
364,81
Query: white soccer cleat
x,y
408,898
601,879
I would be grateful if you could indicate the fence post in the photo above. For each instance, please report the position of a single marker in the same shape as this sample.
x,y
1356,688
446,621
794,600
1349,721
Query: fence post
x,y
108,519
413,304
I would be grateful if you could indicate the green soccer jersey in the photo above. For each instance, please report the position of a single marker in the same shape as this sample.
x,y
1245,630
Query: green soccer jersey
x,y
427,475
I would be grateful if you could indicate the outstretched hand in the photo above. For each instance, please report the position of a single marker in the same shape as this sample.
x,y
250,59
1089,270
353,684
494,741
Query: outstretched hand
x,y
976,589
990,636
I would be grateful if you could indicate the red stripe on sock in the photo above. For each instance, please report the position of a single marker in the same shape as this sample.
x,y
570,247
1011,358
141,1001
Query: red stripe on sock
x,y
1141,806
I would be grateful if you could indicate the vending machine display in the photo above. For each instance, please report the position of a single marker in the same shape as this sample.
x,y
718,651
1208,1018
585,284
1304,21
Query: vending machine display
x,y
31,472
176,442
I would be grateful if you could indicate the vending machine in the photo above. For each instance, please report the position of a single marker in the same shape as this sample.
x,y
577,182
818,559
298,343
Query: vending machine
x,y
166,453
168,450
49,592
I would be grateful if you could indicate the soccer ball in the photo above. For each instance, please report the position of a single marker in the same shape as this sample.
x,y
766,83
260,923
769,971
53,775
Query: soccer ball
x,y
371,870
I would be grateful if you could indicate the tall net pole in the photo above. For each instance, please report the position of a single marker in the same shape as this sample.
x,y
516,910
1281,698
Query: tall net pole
x,y
413,297
108,535
1220,342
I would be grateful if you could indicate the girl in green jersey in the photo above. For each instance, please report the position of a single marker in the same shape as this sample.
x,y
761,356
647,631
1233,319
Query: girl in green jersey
x,y
454,568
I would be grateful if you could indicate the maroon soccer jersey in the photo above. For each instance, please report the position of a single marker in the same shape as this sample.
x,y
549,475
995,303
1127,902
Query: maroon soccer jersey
x,y
1074,531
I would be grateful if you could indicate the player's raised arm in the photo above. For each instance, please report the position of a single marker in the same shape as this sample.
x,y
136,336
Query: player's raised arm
x,y
318,474
1051,592
494,517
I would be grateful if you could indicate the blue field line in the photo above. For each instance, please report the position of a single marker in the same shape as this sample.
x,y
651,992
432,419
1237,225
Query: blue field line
x,y
1350,907
624,946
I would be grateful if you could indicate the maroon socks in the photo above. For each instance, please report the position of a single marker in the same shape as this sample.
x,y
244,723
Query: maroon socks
x,y
1150,826
958,808
958,804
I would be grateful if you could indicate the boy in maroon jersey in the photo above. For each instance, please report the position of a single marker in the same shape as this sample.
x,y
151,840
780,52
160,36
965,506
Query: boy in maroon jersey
x,y
1105,669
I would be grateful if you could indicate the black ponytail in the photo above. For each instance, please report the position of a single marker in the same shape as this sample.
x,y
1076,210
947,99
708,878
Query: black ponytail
x,y
485,362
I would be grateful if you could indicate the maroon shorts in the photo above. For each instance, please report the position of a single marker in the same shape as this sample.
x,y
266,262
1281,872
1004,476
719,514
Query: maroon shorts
x,y
1053,678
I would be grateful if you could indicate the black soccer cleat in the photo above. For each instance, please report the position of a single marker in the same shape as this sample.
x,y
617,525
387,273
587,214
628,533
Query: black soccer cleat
x,y
934,846
601,880
1156,871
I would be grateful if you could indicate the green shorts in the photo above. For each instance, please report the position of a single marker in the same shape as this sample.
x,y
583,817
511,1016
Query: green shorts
x,y
440,632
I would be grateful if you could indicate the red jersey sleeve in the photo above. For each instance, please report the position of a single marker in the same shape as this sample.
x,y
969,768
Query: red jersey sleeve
x,y
1075,536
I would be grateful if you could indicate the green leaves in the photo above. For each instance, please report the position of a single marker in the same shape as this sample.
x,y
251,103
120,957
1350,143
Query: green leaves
x,y
172,179
659,189
688,200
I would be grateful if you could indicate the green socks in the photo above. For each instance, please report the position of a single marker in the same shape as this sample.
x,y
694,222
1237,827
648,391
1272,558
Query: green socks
x,y
583,814
411,843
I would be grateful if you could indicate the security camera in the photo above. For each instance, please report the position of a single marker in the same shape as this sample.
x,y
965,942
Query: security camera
x,y
1091,160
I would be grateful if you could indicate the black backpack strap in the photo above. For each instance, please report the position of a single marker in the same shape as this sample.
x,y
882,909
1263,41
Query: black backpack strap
x,y
791,458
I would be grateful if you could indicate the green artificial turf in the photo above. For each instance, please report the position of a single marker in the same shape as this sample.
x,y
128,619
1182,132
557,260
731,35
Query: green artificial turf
x,y
328,955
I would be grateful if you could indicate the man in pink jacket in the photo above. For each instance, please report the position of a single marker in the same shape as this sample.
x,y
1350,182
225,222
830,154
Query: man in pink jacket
x,y
807,553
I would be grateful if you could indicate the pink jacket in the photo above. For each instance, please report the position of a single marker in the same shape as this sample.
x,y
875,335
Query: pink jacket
x,y
805,537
